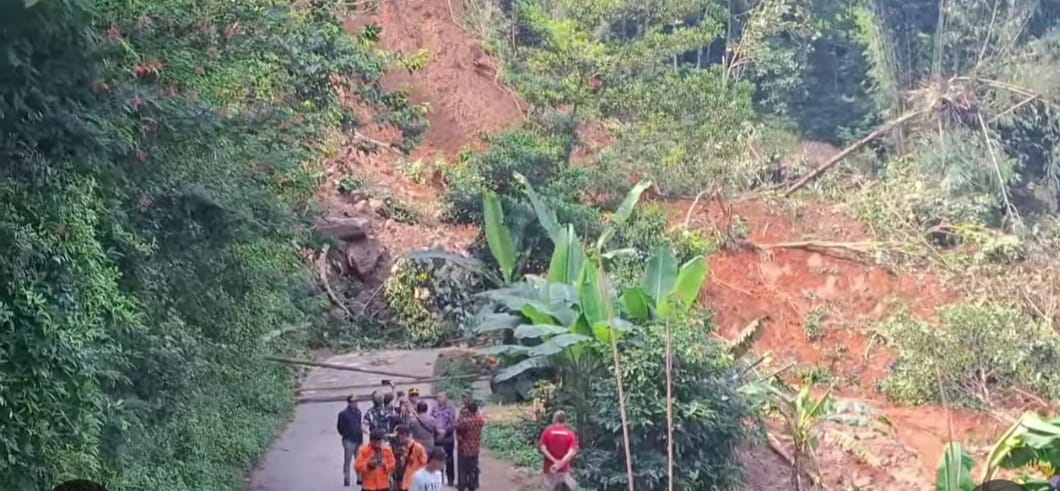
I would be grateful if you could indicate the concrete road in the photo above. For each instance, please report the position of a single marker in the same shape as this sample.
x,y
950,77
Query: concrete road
x,y
308,454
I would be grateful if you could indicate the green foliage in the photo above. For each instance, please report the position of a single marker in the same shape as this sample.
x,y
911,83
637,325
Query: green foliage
x,y
955,470
350,183
709,414
399,212
1031,447
157,157
453,368
540,155
431,299
510,442
975,352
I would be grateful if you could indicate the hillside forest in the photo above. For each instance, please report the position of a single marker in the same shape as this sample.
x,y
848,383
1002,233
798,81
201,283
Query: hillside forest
x,y
745,244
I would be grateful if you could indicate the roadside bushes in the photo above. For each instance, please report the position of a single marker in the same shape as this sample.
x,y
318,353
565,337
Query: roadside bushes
x,y
158,160
710,415
976,353
432,300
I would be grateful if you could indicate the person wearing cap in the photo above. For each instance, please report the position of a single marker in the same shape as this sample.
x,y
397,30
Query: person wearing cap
x,y
375,463
349,428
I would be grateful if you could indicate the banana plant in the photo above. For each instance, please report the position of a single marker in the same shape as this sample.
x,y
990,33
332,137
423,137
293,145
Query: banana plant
x,y
955,470
666,291
1032,442
553,318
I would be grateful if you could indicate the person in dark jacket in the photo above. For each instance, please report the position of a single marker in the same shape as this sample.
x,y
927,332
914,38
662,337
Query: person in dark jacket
x,y
352,434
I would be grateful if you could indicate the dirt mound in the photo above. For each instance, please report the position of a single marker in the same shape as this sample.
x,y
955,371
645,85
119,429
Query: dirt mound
x,y
460,82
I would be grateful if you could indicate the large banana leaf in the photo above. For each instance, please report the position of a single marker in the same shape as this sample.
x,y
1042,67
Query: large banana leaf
x,y
497,235
539,330
661,274
497,322
545,216
1030,439
593,295
636,303
556,344
955,470
523,366
686,288
622,213
567,258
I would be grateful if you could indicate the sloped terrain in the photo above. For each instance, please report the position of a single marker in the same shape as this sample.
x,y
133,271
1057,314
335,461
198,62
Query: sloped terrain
x,y
818,300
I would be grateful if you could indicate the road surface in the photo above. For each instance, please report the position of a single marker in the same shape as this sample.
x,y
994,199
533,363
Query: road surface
x,y
307,456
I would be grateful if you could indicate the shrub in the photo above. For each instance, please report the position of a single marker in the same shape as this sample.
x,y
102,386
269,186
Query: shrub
x,y
978,351
709,414
540,155
157,158
513,442
432,300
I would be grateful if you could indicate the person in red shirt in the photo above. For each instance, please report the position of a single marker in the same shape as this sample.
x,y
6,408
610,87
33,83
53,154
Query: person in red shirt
x,y
469,437
559,444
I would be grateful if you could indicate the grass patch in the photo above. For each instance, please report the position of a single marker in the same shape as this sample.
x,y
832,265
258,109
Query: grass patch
x,y
509,441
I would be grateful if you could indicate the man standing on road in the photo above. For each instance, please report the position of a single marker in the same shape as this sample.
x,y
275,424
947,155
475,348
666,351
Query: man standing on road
x,y
469,437
423,426
375,463
429,478
445,419
559,444
349,426
377,417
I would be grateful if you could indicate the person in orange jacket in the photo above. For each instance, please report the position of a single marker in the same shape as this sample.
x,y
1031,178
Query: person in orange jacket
x,y
411,457
375,463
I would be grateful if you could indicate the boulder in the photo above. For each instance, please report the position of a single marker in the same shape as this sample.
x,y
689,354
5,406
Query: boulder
x,y
343,228
363,255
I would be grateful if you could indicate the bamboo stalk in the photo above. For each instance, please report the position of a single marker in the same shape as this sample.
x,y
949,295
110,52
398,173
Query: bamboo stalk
x,y
380,384
335,366
846,152
340,398
618,376
669,409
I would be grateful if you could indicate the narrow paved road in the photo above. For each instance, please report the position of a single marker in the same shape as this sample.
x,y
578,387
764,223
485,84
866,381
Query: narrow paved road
x,y
308,454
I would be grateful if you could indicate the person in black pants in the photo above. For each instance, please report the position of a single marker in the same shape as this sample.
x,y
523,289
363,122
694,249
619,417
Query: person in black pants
x,y
469,438
352,434
445,421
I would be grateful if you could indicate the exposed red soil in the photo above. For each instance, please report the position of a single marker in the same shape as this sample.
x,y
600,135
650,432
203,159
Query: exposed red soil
x,y
465,102
459,85
786,285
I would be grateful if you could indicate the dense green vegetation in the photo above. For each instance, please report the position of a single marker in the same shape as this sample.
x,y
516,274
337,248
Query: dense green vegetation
x,y
158,163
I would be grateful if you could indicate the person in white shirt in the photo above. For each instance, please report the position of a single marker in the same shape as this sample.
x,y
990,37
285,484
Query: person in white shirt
x,y
429,478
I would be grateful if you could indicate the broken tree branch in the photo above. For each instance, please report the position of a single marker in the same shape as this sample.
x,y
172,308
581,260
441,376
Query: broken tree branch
x,y
291,361
327,285
859,247
846,152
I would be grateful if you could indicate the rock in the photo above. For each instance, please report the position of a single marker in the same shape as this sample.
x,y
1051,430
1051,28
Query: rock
x,y
363,255
362,208
376,204
344,228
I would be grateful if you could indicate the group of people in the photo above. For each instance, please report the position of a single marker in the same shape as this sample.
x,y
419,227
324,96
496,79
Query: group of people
x,y
411,445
